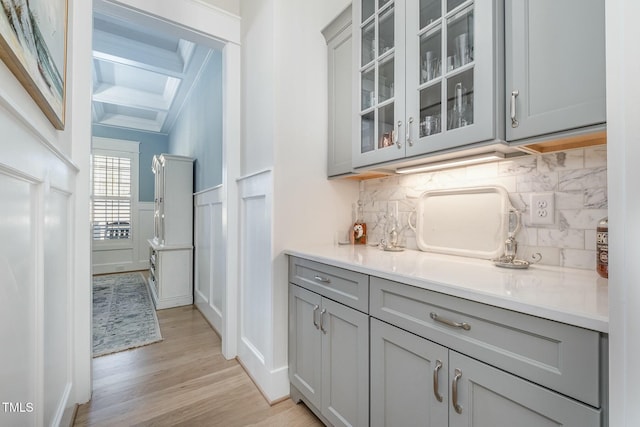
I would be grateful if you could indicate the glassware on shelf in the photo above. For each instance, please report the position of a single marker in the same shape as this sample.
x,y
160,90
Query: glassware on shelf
x,y
430,125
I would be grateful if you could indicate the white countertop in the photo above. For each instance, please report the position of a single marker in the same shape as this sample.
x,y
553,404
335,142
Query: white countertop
x,y
572,296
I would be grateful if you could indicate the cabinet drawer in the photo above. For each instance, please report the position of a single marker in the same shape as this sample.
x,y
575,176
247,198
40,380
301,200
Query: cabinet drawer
x,y
559,356
344,286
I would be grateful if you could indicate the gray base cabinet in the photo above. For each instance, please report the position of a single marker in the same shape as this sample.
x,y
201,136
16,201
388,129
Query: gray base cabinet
x,y
417,382
435,360
408,379
483,396
329,357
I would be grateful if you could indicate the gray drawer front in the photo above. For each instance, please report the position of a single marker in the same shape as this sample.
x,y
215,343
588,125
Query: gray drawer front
x,y
344,286
562,357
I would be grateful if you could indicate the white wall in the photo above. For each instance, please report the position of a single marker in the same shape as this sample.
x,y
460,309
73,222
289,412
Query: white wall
x,y
258,79
623,151
284,80
231,6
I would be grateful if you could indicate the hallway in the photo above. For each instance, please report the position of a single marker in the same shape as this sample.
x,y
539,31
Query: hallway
x,y
183,380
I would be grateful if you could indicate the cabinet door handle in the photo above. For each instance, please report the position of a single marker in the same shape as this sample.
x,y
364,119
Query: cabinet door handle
x,y
396,140
321,279
409,140
461,325
435,381
324,310
514,120
315,308
454,387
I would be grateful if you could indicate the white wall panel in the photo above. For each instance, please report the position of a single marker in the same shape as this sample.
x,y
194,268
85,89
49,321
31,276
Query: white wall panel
x,y
257,345
19,333
210,253
57,380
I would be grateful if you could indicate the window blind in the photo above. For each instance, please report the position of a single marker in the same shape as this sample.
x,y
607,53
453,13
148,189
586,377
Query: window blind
x,y
111,197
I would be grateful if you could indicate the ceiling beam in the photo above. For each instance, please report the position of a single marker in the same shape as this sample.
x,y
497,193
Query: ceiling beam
x,y
117,49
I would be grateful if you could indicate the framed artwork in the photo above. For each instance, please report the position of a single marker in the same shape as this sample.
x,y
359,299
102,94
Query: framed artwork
x,y
33,45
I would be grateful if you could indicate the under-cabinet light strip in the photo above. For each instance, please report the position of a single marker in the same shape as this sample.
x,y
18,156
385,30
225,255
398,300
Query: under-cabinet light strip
x,y
479,158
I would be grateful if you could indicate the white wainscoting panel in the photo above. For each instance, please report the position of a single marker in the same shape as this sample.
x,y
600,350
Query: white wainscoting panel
x,y
20,333
210,256
36,218
57,297
256,332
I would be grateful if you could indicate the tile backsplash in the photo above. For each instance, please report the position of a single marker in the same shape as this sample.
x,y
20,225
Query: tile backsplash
x,y
578,179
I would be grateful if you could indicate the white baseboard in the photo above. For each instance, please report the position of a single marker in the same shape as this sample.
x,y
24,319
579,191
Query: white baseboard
x,y
272,383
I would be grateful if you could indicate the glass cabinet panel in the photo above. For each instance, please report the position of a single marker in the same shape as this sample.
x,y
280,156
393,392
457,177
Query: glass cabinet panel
x,y
460,100
443,73
460,39
378,73
430,11
368,50
430,110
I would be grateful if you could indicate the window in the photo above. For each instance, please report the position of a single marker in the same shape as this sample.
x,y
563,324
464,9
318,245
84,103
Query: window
x,y
112,197
114,193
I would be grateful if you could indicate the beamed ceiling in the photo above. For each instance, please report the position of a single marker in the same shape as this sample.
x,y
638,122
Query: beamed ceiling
x,y
141,76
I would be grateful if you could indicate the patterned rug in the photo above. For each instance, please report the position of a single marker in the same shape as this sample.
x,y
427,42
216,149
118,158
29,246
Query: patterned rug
x,y
123,313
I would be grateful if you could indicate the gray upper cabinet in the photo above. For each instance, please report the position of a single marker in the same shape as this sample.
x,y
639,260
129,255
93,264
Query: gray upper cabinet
x,y
428,76
555,67
338,37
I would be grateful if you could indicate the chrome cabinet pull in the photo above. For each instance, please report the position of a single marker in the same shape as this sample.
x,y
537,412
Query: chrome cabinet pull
x,y
315,308
409,141
461,325
395,135
454,400
435,381
322,279
324,310
514,120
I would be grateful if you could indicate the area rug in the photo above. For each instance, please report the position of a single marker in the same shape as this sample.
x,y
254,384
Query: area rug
x,y
123,313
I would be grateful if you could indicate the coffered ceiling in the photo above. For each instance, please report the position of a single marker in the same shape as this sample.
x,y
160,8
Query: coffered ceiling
x,y
141,74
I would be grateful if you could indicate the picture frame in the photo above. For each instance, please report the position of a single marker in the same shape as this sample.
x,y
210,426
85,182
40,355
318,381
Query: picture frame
x,y
33,45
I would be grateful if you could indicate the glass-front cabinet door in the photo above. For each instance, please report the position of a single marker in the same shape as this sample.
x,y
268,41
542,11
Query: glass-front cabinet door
x,y
379,87
451,51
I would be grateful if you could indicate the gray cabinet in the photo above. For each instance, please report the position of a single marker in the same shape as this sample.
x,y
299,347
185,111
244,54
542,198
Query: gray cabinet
x,y
329,357
338,37
483,396
555,67
496,364
409,379
428,77
417,382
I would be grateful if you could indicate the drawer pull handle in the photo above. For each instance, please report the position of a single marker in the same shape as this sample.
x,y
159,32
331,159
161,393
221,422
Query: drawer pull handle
x,y
454,387
315,309
322,279
435,381
461,325
324,310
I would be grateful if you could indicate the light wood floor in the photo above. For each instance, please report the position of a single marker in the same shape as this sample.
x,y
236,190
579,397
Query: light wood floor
x,y
183,380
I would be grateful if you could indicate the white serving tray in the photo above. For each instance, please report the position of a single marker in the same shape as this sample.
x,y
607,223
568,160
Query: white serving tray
x,y
471,222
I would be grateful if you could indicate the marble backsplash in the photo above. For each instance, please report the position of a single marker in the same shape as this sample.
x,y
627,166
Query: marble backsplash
x,y
578,178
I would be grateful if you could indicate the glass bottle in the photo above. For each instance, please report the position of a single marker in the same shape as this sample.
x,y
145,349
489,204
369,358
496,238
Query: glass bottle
x,y
602,247
360,227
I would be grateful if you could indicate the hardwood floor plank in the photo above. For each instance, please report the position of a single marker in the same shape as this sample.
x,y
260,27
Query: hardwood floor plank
x,y
182,381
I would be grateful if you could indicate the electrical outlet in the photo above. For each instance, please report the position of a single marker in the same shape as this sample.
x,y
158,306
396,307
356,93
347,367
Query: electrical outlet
x,y
542,209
